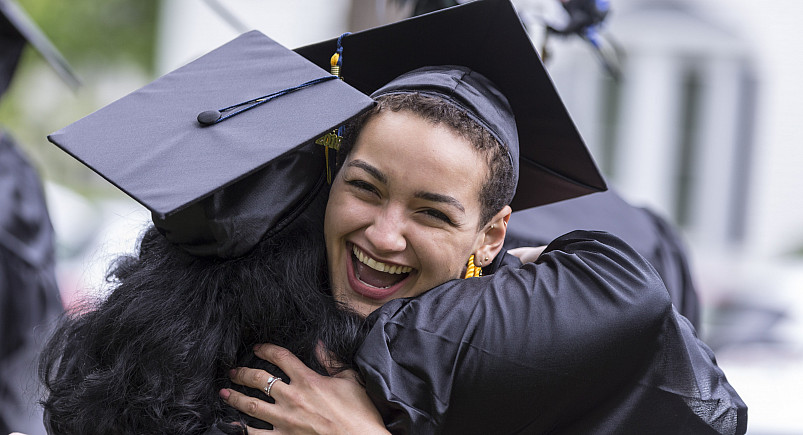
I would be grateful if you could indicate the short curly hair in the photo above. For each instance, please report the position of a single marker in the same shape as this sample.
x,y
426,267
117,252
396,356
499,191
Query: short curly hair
x,y
499,185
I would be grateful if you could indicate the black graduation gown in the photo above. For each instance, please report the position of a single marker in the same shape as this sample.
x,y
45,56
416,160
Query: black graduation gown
x,y
29,295
585,340
649,234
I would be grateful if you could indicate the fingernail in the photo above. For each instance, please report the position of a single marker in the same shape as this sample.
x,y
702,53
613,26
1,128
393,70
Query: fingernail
x,y
224,394
232,373
257,347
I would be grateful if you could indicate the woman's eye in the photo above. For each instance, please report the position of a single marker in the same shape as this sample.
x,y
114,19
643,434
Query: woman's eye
x,y
362,185
437,214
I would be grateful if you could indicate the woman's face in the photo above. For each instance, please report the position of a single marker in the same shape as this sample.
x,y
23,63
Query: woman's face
x,y
404,211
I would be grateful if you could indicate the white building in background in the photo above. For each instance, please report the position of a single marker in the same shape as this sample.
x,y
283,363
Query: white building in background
x,y
703,125
190,28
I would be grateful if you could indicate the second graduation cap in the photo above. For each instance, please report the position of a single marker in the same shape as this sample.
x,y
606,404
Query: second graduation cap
x,y
16,28
217,188
485,36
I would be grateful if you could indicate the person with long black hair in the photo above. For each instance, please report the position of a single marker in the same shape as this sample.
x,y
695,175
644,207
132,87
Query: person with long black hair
x,y
151,357
235,255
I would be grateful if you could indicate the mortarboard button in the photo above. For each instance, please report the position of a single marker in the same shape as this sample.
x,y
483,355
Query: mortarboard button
x,y
209,117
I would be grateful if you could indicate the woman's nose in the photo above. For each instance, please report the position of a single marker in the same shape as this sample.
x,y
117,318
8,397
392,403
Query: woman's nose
x,y
386,232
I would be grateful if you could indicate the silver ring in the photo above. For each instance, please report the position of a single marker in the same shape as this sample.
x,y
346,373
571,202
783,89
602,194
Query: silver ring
x,y
271,380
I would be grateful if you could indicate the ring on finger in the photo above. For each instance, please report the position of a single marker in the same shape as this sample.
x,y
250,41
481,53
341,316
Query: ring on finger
x,y
271,380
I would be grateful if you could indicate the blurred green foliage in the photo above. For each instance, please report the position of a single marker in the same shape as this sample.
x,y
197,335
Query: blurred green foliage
x,y
106,42
111,30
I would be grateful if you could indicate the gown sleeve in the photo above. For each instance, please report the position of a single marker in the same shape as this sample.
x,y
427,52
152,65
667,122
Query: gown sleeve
x,y
585,340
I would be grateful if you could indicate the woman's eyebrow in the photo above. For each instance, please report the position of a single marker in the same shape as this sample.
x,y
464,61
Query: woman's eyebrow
x,y
437,197
428,196
373,171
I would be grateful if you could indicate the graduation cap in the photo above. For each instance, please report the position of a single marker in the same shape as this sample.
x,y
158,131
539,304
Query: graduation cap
x,y
16,28
486,37
222,150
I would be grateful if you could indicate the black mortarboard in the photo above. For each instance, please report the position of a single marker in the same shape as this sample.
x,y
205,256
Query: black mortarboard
x,y
15,29
217,188
486,37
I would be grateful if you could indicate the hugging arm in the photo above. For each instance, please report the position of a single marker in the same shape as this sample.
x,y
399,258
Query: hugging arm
x,y
585,340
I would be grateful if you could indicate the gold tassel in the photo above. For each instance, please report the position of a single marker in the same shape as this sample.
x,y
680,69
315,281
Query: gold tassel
x,y
329,140
334,67
472,271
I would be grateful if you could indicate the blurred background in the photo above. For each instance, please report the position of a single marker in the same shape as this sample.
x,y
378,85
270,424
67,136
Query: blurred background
x,y
701,126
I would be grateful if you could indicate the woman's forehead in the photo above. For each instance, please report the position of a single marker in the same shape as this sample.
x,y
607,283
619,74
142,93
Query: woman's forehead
x,y
392,139
405,151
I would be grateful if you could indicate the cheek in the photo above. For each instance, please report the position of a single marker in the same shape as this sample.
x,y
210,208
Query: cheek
x,y
335,207
446,255
344,214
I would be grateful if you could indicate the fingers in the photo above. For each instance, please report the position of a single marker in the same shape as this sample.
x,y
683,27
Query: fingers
x,y
258,379
254,431
249,405
282,358
527,254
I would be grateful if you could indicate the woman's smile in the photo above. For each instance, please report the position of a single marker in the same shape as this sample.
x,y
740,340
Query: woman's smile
x,y
375,279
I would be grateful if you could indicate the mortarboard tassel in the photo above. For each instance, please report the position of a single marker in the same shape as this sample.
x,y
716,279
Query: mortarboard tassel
x,y
337,59
332,140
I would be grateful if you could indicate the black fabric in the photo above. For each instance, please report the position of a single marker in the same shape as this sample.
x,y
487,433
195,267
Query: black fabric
x,y
649,234
234,220
585,340
10,51
29,295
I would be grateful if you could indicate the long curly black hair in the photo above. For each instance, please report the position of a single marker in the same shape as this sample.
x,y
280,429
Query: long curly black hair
x,y
152,356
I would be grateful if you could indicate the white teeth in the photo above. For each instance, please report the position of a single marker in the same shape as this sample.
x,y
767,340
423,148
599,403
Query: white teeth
x,y
377,265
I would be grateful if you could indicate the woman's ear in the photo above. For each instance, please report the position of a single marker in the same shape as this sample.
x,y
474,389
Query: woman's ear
x,y
493,238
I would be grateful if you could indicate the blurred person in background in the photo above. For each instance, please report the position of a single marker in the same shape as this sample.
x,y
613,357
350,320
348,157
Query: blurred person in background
x,y
648,233
29,294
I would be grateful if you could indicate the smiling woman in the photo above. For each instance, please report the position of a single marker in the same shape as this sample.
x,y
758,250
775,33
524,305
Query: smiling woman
x,y
405,210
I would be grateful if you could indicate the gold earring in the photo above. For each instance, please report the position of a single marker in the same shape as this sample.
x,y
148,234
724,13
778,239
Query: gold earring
x,y
472,270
